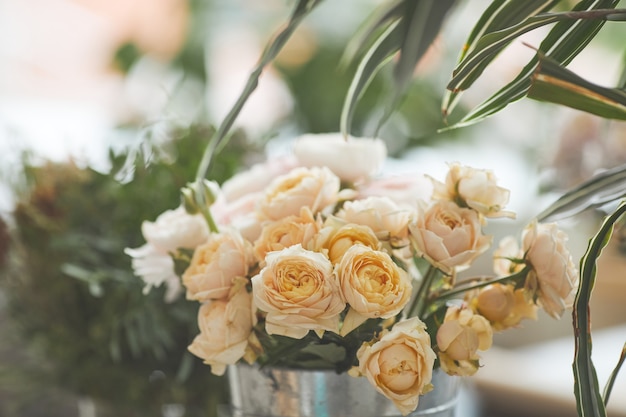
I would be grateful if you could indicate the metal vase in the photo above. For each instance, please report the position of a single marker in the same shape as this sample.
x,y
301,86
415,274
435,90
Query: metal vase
x,y
282,392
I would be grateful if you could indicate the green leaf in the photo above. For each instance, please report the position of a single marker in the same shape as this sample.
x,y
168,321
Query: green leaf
x,y
302,9
555,84
589,402
609,385
601,189
563,43
499,15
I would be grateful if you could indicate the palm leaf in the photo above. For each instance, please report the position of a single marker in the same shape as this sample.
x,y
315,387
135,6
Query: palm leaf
x,y
556,84
589,402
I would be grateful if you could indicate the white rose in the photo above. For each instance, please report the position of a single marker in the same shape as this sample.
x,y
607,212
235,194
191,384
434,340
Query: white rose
x,y
552,266
404,190
256,178
175,229
366,156
224,330
400,364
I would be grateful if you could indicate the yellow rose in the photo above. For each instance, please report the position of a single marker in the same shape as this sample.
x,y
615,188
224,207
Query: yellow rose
x,y
299,292
400,364
381,214
372,284
291,230
552,266
460,337
224,330
448,236
337,236
474,188
504,306
315,188
366,155
215,265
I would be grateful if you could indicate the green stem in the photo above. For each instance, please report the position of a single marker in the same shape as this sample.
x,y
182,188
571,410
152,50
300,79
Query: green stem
x,y
419,302
484,281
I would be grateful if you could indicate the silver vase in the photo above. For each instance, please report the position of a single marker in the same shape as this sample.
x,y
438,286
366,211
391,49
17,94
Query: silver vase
x,y
281,392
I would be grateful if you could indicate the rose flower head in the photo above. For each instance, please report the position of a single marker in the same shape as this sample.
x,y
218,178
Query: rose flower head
x,y
337,236
474,188
315,188
216,265
372,284
386,218
299,292
224,330
400,364
460,337
552,267
448,236
366,155
503,305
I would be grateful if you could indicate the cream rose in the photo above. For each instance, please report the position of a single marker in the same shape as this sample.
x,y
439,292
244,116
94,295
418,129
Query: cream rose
x,y
552,266
372,284
507,250
175,229
216,265
366,155
224,330
404,190
448,236
337,236
474,188
460,337
315,188
291,230
504,306
380,214
400,364
299,292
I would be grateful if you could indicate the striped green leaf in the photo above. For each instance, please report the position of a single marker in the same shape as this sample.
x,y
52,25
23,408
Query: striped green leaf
x,y
597,191
611,381
589,401
566,39
500,14
556,84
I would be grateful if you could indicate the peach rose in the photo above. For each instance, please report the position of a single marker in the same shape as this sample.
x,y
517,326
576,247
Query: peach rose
x,y
291,230
224,330
400,364
215,266
381,214
332,150
337,236
460,337
175,229
299,292
504,306
372,284
315,188
474,188
552,266
507,250
448,236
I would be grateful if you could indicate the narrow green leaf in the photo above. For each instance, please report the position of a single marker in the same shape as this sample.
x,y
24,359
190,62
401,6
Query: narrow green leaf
x,y
301,9
555,84
563,43
499,15
588,399
611,381
376,57
601,189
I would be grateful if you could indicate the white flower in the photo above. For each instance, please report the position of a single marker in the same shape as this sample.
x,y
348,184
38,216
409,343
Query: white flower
x,y
351,159
175,229
155,268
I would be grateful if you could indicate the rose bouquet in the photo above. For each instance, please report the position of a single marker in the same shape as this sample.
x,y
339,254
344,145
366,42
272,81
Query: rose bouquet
x,y
318,259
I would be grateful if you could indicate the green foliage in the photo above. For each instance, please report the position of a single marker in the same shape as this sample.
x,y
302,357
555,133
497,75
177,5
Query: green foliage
x,y
70,289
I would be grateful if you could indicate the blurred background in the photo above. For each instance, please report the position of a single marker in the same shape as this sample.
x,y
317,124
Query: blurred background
x,y
105,107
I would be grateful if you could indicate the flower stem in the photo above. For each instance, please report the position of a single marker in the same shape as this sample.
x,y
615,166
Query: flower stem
x,y
484,281
419,302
